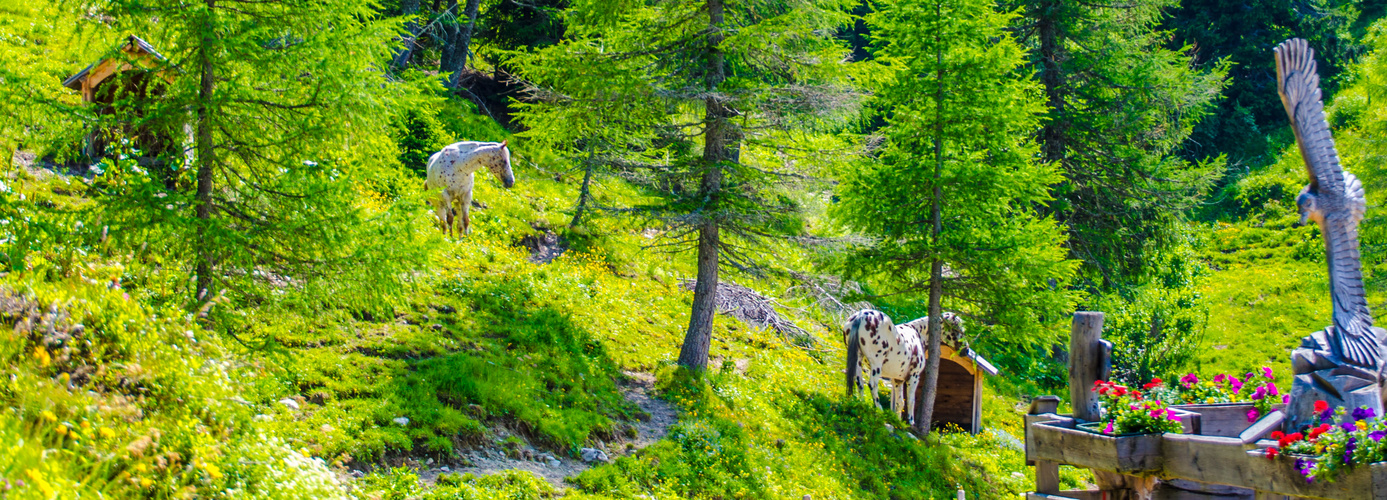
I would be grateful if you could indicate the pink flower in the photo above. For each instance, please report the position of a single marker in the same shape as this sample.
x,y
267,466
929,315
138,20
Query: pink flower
x,y
1220,379
1271,389
1237,384
1286,399
1266,371
1108,429
1252,415
1189,379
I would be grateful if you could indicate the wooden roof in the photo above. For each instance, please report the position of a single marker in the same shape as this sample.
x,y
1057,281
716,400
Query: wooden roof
x,y
91,76
969,359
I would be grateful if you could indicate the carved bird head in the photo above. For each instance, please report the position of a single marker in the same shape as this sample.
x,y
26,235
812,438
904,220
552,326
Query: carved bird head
x,y
1308,204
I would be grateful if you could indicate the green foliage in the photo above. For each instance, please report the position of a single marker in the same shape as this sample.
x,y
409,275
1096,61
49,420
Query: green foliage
x,y
1156,328
958,117
420,135
1120,106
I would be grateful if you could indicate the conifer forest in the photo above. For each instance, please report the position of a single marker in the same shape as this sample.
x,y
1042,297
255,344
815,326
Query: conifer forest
x,y
600,249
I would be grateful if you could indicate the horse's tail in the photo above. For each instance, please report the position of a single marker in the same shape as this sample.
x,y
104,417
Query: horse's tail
x,y
850,335
429,174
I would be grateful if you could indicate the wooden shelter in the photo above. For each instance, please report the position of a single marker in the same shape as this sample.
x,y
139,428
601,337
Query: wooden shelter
x,y
959,397
131,74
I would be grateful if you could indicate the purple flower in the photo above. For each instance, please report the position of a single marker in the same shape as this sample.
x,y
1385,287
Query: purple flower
x,y
1271,389
1348,427
1220,379
1327,415
1189,379
1363,413
1348,449
1248,376
1237,384
1252,415
1286,399
1377,435
1266,371
1260,393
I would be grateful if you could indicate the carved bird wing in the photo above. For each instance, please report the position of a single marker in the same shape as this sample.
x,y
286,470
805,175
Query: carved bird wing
x,y
1299,86
1340,197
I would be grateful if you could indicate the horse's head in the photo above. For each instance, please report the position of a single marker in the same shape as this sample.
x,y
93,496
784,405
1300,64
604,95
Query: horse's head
x,y
499,165
953,326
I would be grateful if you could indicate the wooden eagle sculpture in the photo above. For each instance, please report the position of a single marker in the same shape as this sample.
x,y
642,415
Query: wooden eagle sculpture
x,y
1334,199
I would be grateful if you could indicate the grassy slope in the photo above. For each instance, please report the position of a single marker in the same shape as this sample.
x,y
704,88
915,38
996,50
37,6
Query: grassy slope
x,y
488,339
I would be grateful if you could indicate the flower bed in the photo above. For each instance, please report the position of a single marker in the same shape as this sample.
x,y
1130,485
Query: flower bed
x,y
1326,451
1128,411
1061,442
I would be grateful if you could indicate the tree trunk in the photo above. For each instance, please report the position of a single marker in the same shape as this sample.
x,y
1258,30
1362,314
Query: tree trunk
x,y
462,41
206,158
584,193
1052,136
411,39
451,32
698,339
924,400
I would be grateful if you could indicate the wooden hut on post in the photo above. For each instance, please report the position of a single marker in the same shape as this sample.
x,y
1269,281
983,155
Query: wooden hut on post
x,y
116,85
958,399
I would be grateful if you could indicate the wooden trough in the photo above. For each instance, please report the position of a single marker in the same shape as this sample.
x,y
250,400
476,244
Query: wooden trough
x,y
1218,455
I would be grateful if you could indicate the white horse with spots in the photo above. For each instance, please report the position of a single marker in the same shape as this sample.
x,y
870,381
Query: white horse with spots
x,y
893,352
451,174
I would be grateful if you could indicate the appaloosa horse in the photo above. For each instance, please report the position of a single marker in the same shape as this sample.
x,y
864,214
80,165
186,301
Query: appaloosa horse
x,y
451,173
893,352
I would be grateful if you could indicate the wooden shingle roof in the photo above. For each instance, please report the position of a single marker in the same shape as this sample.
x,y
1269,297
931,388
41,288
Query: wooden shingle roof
x,y
135,46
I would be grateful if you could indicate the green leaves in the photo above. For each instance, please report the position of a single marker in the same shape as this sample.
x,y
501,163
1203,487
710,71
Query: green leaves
x,y
955,79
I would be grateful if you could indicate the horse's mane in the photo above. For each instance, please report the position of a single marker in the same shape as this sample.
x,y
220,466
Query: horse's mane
x,y
950,321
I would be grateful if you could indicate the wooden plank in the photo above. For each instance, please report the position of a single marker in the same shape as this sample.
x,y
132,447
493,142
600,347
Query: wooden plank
x,y
1062,421
1084,353
1190,422
1182,489
1206,459
977,404
1263,427
1124,455
1072,495
1222,419
1047,476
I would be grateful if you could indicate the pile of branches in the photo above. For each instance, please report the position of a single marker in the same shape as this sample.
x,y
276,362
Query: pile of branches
x,y
753,308
829,293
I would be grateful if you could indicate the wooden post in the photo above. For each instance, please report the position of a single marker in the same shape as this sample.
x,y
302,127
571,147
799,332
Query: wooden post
x,y
1085,363
1047,473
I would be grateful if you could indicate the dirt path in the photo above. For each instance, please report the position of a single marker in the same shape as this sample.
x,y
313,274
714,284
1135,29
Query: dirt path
x,y
494,459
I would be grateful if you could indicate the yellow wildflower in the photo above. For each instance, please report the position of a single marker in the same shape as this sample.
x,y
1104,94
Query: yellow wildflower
x,y
1362,426
145,482
49,416
62,430
106,432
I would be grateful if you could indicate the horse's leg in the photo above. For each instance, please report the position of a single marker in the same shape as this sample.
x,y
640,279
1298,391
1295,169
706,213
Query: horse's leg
x,y
438,211
466,211
873,383
910,397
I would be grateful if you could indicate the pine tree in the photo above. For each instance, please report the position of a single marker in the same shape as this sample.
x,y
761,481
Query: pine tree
x,y
956,181
1119,108
292,171
694,98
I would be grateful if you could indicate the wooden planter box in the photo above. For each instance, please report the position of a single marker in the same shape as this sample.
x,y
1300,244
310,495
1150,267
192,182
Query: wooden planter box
x,y
1222,419
1058,441
1280,476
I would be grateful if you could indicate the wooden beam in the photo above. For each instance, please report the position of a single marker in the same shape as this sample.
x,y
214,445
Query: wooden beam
x,y
1047,476
1084,354
1263,427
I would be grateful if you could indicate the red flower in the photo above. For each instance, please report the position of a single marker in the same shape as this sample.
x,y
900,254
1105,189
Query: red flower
x,y
1321,406
1272,452
1277,434
1155,382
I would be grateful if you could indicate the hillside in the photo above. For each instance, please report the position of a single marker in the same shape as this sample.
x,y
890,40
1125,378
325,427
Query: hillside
x,y
493,354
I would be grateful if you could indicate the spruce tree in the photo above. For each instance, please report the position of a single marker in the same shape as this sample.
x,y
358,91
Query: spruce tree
x,y
693,98
291,180
1119,108
956,182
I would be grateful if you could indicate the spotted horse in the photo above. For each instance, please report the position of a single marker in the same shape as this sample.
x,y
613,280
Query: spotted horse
x,y
893,352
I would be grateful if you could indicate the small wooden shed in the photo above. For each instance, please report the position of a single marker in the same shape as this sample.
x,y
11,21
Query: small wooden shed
x,y
134,70
959,397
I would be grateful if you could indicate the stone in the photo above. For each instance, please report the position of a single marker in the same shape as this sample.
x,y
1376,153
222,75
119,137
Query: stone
x,y
401,421
357,473
293,405
591,455
1320,375
553,462
445,469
